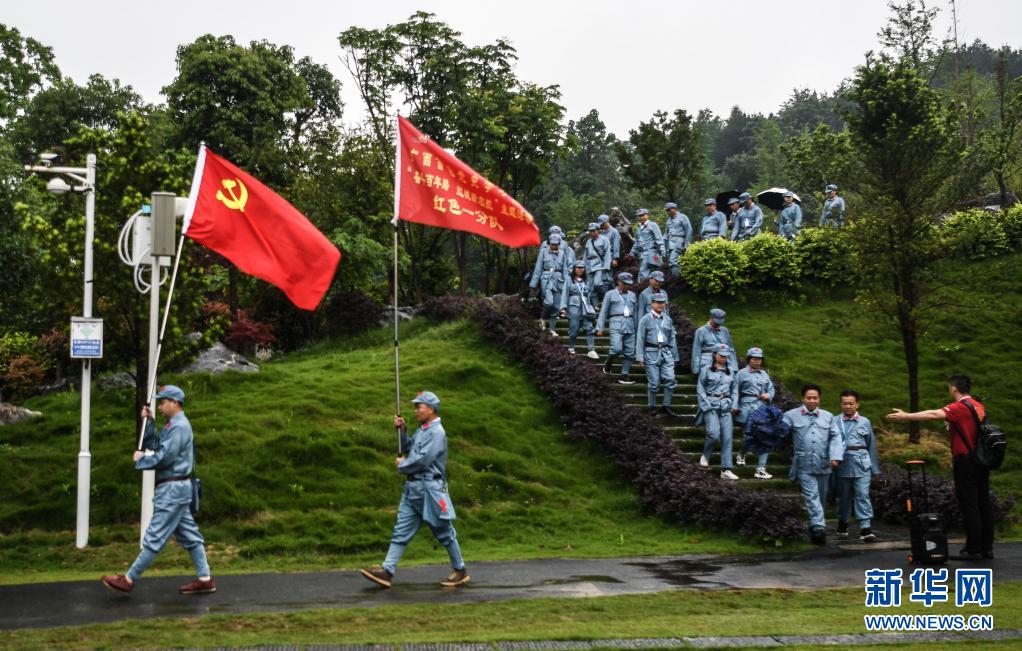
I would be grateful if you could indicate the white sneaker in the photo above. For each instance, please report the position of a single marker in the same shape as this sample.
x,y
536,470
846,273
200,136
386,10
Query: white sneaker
x,y
761,473
592,354
727,474
554,333
703,461
739,459
571,351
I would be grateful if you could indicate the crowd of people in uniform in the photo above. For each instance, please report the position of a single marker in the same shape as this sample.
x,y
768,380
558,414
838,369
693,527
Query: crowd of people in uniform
x,y
579,288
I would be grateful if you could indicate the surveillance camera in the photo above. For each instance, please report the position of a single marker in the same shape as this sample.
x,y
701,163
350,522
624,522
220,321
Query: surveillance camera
x,y
48,159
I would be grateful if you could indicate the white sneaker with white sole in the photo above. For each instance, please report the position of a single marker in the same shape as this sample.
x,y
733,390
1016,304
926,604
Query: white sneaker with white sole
x,y
571,351
761,473
739,459
727,474
703,461
592,354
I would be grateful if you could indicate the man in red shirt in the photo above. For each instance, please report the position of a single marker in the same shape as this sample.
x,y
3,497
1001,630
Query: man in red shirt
x,y
972,481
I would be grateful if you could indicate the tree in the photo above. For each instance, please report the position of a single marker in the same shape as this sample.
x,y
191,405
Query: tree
x,y
1000,141
909,32
900,133
768,156
806,108
814,159
55,114
663,156
25,67
254,105
468,99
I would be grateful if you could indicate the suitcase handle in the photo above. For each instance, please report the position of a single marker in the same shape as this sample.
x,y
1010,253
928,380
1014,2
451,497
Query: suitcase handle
x,y
909,465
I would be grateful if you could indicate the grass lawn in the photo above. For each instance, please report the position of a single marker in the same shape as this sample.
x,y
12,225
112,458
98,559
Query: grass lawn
x,y
832,341
681,613
297,468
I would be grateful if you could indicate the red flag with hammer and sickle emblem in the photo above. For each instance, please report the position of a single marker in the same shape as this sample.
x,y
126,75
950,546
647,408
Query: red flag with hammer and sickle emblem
x,y
232,213
435,188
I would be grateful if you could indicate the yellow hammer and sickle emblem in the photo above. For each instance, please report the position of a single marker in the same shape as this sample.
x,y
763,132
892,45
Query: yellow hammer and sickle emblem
x,y
234,201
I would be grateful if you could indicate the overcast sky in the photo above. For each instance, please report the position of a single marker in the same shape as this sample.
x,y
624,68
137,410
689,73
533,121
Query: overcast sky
x,y
626,58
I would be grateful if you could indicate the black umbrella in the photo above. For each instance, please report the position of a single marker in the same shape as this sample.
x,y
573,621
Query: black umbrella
x,y
774,198
724,197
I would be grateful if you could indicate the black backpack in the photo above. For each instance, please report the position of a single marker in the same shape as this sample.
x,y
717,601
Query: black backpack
x,y
991,442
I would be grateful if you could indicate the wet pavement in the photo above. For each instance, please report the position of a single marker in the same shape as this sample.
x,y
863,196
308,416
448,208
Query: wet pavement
x,y
86,602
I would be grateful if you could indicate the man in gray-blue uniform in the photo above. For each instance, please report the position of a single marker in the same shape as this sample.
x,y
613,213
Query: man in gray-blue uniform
x,y
833,215
425,498
755,390
172,455
614,236
649,245
748,220
717,392
818,449
679,236
790,219
597,257
619,307
551,272
859,464
656,278
568,251
577,306
714,223
655,351
707,338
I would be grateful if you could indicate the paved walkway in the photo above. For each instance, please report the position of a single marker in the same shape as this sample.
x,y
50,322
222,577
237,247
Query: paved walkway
x,y
86,602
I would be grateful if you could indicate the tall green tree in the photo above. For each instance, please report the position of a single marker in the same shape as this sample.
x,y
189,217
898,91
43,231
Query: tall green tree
x,y
900,132
663,155
255,105
468,99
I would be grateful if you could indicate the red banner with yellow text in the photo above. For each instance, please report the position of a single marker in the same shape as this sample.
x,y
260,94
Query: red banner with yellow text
x,y
433,187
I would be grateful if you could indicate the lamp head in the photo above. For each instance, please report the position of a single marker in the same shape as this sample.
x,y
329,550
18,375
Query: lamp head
x,y
57,186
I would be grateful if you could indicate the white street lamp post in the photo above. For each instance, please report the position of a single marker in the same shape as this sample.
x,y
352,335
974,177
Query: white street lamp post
x,y
87,177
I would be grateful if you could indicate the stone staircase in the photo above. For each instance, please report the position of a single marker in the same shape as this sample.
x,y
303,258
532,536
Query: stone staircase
x,y
685,434
689,439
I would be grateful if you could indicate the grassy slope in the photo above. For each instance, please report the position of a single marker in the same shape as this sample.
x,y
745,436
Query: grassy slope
x,y
679,613
297,464
832,341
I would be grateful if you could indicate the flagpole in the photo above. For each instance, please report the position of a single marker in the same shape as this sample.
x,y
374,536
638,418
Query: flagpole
x,y
394,222
151,389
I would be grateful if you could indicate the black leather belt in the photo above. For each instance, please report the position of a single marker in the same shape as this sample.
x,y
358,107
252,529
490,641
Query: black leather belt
x,y
166,479
856,447
426,477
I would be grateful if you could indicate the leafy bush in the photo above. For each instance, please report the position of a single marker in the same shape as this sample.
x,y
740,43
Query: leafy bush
x,y
715,267
824,255
973,233
350,313
668,485
245,334
24,373
16,344
774,262
1011,221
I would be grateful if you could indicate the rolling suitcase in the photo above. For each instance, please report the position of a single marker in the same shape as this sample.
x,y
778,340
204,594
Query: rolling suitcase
x,y
929,542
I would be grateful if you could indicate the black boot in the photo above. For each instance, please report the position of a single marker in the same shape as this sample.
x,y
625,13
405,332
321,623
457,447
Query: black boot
x,y
653,413
670,412
606,366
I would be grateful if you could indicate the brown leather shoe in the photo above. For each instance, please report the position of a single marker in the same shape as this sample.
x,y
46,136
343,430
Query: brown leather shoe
x,y
456,578
378,575
118,583
198,587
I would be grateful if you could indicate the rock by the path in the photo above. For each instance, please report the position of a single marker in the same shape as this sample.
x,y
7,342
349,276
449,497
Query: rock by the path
x,y
10,414
114,381
403,314
220,358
